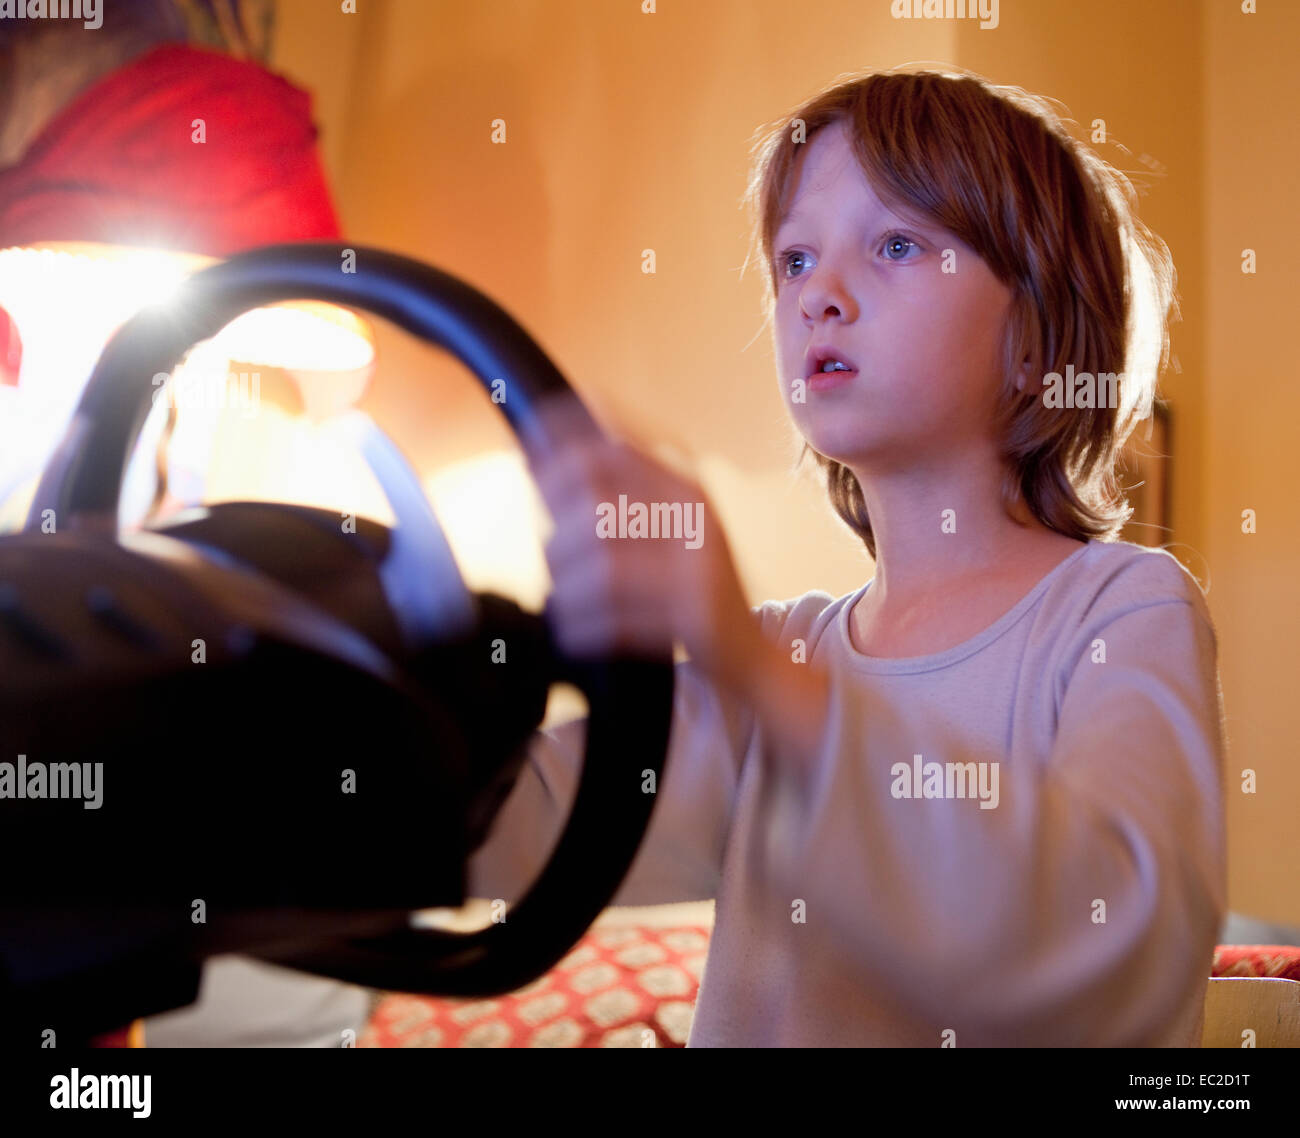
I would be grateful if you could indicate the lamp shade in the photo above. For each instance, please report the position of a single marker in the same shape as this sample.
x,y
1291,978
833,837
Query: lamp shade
x,y
182,148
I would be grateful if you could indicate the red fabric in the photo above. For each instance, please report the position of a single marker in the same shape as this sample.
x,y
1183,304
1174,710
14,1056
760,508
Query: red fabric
x,y
11,350
617,987
119,1038
118,164
1272,961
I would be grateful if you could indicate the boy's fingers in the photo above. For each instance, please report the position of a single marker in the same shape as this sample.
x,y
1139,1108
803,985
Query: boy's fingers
x,y
580,547
588,465
568,425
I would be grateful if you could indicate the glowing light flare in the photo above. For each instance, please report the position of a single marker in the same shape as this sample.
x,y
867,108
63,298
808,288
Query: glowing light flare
x,y
493,517
66,299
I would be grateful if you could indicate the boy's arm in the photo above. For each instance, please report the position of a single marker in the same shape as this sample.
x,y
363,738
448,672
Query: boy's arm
x,y
680,858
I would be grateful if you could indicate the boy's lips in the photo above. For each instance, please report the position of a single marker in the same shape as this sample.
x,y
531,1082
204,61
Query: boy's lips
x,y
818,354
824,380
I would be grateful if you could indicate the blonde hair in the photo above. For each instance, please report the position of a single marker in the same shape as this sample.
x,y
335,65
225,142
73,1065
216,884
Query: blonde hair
x,y
1092,286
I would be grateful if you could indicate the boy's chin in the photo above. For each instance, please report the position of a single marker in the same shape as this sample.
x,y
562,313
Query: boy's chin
x,y
840,441
863,453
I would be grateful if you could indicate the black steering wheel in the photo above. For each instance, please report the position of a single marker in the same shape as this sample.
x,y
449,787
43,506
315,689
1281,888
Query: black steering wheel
x,y
629,699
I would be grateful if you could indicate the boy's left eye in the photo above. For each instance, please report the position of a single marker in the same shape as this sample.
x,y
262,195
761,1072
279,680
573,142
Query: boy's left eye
x,y
896,241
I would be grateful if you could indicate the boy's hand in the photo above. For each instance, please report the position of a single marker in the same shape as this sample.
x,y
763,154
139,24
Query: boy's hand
x,y
634,596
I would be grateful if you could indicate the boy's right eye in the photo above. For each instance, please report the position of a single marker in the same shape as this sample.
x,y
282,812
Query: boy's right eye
x,y
784,259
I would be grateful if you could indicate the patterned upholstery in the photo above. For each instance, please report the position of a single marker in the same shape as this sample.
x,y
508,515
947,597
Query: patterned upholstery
x,y
1270,961
618,987
625,987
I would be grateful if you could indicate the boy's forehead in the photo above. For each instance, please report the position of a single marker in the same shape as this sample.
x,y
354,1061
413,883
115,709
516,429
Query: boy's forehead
x,y
820,162
827,159
816,187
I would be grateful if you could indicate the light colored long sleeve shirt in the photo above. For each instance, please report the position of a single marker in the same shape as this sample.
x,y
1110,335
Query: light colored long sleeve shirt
x,y
1018,841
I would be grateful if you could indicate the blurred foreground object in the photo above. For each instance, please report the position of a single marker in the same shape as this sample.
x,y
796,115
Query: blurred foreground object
x,y
111,193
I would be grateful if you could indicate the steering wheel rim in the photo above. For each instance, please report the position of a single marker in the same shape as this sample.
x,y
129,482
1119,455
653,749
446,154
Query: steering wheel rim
x,y
611,813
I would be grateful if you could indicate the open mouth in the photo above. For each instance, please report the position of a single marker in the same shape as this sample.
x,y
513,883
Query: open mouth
x,y
821,380
828,362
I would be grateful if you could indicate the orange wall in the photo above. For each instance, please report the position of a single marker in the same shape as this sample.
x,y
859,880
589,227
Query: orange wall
x,y
629,131
1252,457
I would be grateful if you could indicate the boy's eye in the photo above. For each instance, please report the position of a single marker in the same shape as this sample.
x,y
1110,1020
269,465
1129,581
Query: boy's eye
x,y
896,241
894,247
784,261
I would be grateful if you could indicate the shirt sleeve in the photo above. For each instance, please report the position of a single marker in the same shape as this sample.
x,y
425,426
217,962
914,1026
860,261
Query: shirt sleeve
x,y
991,921
680,858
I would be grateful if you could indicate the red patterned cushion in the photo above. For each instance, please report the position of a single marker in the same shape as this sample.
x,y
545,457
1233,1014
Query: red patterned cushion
x,y
1275,961
618,987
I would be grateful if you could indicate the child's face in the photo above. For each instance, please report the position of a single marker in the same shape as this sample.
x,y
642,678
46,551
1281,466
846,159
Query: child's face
x,y
927,343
